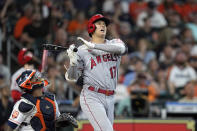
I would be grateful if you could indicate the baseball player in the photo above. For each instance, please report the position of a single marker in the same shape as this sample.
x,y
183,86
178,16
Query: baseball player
x,y
97,62
36,111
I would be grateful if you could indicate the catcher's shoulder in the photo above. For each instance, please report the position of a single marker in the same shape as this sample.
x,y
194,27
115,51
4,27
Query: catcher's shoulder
x,y
25,105
49,95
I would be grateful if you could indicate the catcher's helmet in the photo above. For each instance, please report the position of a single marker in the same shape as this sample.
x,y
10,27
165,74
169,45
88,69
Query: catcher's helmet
x,y
31,79
93,19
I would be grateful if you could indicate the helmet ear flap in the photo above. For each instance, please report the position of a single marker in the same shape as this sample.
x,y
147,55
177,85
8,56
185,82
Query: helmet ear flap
x,y
92,28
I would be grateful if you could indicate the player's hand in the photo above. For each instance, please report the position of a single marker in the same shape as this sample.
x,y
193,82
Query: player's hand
x,y
72,55
88,44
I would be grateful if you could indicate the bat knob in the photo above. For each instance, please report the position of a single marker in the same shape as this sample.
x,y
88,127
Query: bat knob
x,y
75,49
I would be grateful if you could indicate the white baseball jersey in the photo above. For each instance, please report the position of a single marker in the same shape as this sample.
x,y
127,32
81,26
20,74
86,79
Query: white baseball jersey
x,y
17,117
99,70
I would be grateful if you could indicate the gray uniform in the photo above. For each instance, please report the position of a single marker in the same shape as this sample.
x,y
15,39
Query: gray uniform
x,y
99,70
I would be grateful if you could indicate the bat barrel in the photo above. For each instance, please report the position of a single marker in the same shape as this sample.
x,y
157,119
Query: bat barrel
x,y
51,47
54,47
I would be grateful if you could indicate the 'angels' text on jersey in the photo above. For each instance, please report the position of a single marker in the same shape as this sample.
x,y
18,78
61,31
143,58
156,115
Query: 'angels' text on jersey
x,y
103,58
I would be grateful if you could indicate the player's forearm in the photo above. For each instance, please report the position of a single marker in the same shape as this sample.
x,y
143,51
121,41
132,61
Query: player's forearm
x,y
112,48
72,73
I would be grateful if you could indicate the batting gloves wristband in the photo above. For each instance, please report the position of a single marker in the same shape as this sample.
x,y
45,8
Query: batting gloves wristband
x,y
85,42
72,55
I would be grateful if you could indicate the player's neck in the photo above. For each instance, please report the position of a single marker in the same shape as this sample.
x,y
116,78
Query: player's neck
x,y
37,92
98,40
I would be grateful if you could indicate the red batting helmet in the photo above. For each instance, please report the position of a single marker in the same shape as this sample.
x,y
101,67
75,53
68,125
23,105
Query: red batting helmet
x,y
93,19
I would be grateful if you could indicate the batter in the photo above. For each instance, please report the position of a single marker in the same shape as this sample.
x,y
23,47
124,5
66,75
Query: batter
x,y
97,62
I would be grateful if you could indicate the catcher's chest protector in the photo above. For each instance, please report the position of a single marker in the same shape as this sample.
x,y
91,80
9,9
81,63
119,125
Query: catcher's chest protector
x,y
44,118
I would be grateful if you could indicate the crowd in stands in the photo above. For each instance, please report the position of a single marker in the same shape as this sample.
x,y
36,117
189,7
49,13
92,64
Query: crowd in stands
x,y
161,35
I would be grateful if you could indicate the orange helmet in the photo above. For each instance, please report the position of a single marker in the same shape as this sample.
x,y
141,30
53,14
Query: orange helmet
x,y
31,79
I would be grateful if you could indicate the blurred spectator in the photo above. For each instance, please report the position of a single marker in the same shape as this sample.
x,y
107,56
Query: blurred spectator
x,y
50,59
108,6
8,15
174,28
136,7
95,8
179,74
28,61
68,9
126,64
35,33
82,4
131,43
124,30
157,19
175,42
162,85
168,6
153,67
189,93
123,109
4,70
136,66
4,9
62,85
78,24
167,56
41,7
61,37
146,30
187,35
121,89
187,46
113,30
175,23
63,61
142,91
189,8
143,51
193,25
193,57
5,103
143,84
52,74
23,21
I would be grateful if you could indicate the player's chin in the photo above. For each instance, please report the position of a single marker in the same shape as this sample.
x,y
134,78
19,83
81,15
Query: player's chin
x,y
102,34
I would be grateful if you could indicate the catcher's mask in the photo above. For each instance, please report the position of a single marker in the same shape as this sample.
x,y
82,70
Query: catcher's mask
x,y
31,79
93,19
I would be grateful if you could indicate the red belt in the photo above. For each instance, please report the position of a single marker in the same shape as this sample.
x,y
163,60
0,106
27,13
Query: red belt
x,y
106,92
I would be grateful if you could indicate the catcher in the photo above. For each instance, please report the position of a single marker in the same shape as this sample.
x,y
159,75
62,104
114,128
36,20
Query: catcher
x,y
36,111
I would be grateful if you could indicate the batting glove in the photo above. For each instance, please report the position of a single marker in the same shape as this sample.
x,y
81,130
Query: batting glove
x,y
85,42
72,55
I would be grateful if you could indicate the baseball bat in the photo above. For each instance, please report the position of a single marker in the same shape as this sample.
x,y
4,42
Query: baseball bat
x,y
44,60
51,47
